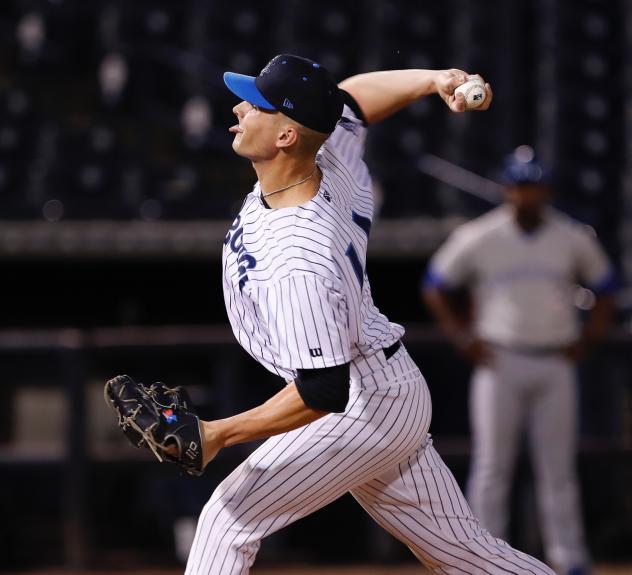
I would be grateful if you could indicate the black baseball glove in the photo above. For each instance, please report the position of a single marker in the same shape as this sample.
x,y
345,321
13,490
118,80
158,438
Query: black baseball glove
x,y
158,417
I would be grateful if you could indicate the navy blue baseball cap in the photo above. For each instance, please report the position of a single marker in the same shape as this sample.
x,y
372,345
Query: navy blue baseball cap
x,y
299,88
522,167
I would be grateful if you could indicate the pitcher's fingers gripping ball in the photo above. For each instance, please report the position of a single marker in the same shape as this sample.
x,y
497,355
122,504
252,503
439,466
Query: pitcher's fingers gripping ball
x,y
160,418
461,91
474,91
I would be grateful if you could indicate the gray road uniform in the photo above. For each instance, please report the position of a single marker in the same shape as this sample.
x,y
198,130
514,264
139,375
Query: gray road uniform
x,y
523,286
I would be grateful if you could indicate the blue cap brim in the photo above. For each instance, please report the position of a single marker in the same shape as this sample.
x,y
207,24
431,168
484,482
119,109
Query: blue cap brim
x,y
244,87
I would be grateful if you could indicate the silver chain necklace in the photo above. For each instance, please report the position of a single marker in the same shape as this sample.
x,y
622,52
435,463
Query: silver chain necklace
x,y
290,186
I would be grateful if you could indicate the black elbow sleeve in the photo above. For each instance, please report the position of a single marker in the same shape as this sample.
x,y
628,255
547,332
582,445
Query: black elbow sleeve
x,y
325,389
351,102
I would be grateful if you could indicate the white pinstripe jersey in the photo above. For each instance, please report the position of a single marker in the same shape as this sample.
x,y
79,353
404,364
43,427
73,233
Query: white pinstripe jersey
x,y
295,285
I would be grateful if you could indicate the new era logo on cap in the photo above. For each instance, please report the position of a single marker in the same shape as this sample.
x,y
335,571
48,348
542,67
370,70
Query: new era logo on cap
x,y
288,104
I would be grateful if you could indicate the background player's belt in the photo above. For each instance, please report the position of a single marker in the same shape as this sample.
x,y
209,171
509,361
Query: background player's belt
x,y
533,349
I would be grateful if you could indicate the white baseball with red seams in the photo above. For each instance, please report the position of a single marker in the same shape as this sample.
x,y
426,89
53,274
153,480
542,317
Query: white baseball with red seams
x,y
474,91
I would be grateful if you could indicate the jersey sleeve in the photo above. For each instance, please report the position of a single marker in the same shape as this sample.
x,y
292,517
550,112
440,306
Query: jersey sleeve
x,y
593,266
348,139
452,264
311,320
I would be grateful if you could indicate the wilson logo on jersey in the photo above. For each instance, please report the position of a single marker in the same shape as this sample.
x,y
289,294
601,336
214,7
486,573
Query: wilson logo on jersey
x,y
234,237
315,352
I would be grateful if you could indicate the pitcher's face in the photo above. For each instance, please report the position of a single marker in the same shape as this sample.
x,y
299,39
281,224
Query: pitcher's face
x,y
256,132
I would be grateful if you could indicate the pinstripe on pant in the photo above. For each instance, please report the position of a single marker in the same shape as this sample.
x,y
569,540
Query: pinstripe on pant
x,y
380,451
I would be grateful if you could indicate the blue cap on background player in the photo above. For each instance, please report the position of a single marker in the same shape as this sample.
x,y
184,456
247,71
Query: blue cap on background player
x,y
522,167
299,88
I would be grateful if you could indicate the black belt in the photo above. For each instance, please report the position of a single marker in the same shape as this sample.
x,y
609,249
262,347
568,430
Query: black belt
x,y
532,349
391,350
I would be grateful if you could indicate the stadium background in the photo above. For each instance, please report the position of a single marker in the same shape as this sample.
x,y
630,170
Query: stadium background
x,y
117,184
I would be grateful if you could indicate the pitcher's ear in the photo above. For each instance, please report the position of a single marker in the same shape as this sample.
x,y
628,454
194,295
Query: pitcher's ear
x,y
287,137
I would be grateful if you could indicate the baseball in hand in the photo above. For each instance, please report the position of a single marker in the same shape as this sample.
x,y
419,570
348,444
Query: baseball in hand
x,y
474,91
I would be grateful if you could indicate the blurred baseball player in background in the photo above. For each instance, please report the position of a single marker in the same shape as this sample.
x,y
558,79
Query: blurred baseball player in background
x,y
523,261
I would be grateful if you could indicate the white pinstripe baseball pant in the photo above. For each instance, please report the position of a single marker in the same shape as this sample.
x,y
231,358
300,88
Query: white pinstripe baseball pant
x,y
380,451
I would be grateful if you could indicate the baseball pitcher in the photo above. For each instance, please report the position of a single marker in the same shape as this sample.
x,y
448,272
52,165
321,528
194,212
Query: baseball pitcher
x,y
355,410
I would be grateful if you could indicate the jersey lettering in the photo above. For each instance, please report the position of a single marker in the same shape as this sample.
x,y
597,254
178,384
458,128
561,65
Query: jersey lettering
x,y
235,238
232,229
364,223
356,264
352,253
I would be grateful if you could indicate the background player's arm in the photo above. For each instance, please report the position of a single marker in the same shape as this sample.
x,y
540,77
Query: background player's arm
x,y
595,272
455,266
381,94
595,327
454,325
599,318
283,412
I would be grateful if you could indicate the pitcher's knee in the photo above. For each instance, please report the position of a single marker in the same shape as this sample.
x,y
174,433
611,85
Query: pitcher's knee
x,y
234,556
